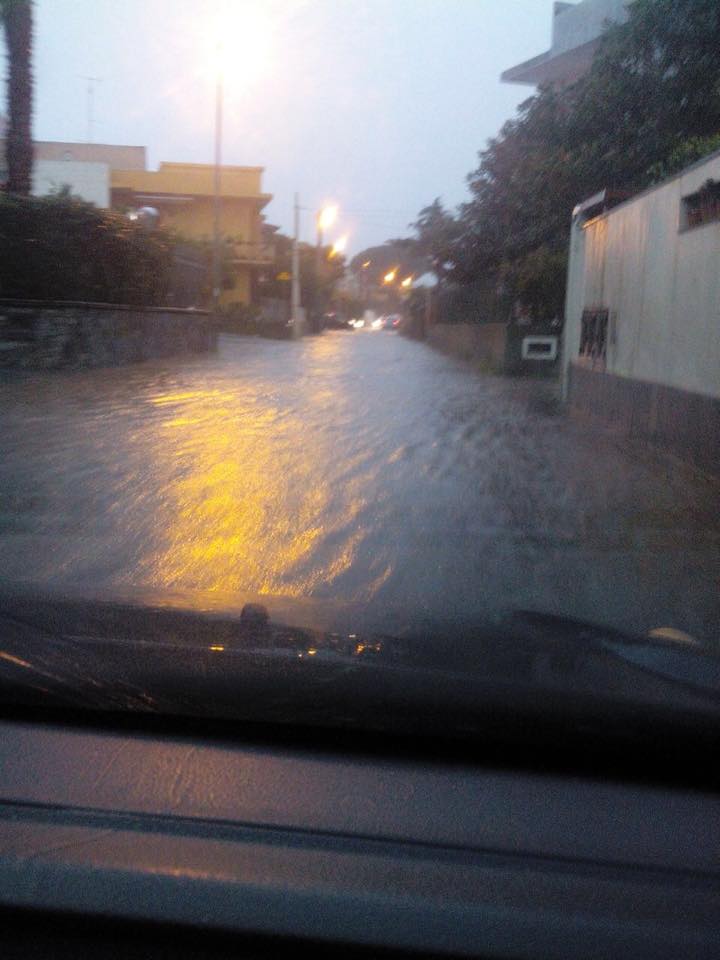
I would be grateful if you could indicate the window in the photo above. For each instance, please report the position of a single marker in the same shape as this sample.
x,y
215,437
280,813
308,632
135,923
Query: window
x,y
701,207
593,337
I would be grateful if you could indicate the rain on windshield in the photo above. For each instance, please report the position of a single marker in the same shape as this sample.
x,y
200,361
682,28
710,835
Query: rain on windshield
x,y
409,304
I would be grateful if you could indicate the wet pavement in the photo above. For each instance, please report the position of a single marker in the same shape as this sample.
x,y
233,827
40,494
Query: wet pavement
x,y
348,467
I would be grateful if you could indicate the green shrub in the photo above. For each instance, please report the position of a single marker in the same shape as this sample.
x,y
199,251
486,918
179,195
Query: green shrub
x,y
62,248
239,318
685,153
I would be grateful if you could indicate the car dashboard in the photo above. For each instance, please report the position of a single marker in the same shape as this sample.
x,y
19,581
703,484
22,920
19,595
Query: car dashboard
x,y
241,846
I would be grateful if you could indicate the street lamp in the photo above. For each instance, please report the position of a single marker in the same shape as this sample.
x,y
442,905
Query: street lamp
x,y
240,65
339,246
217,236
326,217
364,281
390,276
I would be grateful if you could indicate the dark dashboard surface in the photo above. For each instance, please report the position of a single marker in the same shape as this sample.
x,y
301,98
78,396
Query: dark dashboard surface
x,y
256,841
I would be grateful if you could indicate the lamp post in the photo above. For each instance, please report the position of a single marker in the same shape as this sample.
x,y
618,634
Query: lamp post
x,y
364,283
217,236
326,217
295,288
339,246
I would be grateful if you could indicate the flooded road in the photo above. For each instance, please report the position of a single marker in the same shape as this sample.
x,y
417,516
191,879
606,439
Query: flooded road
x,y
348,467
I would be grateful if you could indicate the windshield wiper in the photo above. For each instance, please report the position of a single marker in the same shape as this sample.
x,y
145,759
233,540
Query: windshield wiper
x,y
525,678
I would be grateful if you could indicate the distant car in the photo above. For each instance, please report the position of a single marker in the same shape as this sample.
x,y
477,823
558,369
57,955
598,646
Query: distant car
x,y
392,321
334,321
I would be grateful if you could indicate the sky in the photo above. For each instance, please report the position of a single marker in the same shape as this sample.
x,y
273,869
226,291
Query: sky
x,y
377,105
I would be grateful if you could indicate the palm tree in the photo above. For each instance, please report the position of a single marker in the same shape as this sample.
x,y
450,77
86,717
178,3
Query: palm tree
x,y
16,17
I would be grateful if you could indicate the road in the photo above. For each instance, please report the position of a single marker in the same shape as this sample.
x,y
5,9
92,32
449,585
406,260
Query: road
x,y
348,467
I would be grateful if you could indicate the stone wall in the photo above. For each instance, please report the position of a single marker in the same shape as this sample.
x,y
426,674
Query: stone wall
x,y
686,424
498,344
471,341
38,335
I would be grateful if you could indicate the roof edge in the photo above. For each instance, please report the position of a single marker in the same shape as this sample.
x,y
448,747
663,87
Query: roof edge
x,y
715,155
205,166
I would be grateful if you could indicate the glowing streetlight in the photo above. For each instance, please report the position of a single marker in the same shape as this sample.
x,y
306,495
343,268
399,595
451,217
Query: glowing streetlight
x,y
366,264
339,246
239,43
239,63
406,283
390,276
325,219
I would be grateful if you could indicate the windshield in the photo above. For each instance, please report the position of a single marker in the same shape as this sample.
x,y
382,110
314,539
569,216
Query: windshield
x,y
393,318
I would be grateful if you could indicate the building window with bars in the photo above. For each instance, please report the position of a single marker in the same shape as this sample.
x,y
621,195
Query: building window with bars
x,y
701,207
594,336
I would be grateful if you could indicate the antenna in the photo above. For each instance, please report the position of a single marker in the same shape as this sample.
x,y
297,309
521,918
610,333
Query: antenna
x,y
91,81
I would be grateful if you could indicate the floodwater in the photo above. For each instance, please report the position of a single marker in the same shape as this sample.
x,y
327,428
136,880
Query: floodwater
x,y
355,467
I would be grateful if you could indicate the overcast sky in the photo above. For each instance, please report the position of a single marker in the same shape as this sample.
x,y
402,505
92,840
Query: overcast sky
x,y
380,105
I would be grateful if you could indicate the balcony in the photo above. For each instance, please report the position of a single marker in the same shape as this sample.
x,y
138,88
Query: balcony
x,y
577,29
249,254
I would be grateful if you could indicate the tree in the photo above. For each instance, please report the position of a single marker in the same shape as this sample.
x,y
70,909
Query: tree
x,y
277,284
16,18
651,98
437,233
687,152
400,254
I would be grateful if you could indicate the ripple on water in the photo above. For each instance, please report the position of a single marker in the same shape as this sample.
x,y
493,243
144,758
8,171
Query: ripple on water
x,y
347,466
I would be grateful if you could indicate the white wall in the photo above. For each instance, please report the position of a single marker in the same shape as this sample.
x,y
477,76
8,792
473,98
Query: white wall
x,y
91,181
116,156
661,285
585,22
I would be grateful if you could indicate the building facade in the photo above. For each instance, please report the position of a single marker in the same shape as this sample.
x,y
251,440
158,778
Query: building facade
x,y
116,175
183,195
83,168
90,181
642,319
114,156
576,32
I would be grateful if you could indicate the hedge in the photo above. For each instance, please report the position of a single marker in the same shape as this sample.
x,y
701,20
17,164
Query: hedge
x,y
62,248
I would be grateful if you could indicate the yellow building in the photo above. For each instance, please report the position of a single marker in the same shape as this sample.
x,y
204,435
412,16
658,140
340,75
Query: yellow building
x,y
183,194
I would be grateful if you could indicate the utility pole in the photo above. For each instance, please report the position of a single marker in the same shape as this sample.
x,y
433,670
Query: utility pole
x,y
319,299
295,289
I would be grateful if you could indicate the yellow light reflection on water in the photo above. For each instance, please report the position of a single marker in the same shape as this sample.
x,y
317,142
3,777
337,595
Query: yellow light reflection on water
x,y
250,507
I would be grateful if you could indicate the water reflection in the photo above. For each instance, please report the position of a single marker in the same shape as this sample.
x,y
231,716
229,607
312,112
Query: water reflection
x,y
348,467
247,507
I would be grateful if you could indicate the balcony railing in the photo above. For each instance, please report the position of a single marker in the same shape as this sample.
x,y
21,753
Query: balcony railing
x,y
253,254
